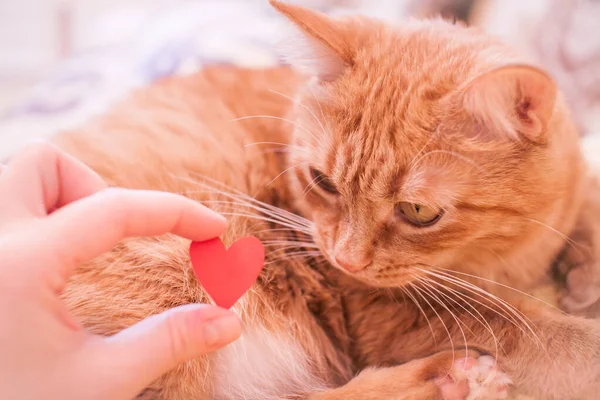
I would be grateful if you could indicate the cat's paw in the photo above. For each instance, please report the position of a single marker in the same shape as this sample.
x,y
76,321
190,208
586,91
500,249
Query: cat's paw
x,y
580,275
582,291
475,378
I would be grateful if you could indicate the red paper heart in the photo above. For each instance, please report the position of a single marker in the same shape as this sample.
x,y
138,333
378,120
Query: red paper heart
x,y
226,274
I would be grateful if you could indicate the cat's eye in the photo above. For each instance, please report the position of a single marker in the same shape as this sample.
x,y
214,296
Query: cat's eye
x,y
417,214
321,180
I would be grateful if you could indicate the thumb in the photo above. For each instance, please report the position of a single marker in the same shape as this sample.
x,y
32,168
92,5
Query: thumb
x,y
142,353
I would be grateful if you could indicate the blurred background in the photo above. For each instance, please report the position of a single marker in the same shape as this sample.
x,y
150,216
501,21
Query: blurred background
x,y
63,61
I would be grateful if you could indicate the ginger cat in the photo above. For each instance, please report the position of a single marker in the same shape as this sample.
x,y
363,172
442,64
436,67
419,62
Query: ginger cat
x,y
393,175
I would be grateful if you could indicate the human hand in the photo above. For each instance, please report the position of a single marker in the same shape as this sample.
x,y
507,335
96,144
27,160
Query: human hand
x,y
54,214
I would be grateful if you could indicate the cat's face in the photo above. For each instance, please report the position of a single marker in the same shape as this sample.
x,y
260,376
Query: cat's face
x,y
415,150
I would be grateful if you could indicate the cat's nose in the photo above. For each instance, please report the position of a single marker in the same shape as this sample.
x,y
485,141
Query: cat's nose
x,y
352,265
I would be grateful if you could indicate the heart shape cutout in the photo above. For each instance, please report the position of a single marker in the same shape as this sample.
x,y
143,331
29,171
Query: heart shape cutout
x,y
226,274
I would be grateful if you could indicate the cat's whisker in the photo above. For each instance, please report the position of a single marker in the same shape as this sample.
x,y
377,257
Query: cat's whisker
x,y
448,271
257,217
500,311
419,294
435,287
573,243
468,298
459,322
315,98
281,250
476,290
290,242
232,193
490,297
291,146
422,148
453,154
286,249
288,216
311,185
286,231
505,263
243,197
267,217
479,318
293,248
280,216
303,106
289,234
288,256
253,203
407,292
279,119
284,253
482,321
286,170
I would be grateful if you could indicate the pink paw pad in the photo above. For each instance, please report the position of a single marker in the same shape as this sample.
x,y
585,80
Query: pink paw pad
x,y
484,378
452,389
454,385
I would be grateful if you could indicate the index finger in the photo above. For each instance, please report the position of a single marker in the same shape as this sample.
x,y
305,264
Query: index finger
x,y
91,226
42,178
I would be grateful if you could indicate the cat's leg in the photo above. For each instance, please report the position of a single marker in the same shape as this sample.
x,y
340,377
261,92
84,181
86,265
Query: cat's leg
x,y
263,364
447,375
578,274
547,355
558,359
577,268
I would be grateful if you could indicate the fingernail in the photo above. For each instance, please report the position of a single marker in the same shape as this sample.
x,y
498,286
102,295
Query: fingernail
x,y
219,220
220,331
220,217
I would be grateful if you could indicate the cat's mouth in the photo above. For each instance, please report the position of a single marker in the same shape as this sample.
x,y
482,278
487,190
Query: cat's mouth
x,y
381,276
368,271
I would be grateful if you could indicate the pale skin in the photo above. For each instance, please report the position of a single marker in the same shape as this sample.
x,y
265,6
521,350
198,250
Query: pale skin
x,y
54,214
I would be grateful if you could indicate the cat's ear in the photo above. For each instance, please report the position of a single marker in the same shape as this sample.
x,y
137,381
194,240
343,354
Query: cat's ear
x,y
323,48
515,101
